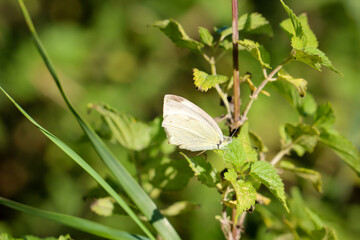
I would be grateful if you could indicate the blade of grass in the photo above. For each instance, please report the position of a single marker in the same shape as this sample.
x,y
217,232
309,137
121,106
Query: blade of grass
x,y
84,165
131,187
74,222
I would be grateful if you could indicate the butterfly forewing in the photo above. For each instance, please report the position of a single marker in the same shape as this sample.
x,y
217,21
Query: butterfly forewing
x,y
188,126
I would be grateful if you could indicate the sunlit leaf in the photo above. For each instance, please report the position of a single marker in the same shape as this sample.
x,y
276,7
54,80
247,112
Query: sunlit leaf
x,y
304,42
206,36
245,192
302,137
342,147
257,50
204,81
103,206
313,176
299,83
178,208
234,155
265,173
177,34
203,170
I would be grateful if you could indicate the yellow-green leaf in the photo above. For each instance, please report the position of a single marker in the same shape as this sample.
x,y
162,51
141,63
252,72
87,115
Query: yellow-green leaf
x,y
103,206
299,83
257,50
204,81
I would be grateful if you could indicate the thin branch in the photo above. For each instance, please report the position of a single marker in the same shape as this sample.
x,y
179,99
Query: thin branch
x,y
223,95
255,94
281,154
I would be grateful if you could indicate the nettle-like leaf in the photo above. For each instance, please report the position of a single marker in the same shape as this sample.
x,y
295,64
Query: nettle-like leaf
x,y
206,36
265,173
302,137
177,34
245,192
305,106
304,42
178,208
250,23
342,147
299,83
257,50
234,155
203,170
170,175
324,116
103,206
204,81
313,176
125,129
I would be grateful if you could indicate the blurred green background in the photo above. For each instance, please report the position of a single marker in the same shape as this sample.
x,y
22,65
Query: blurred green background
x,y
105,52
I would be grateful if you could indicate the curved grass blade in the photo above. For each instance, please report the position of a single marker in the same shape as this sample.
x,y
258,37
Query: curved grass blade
x,y
84,165
74,222
131,187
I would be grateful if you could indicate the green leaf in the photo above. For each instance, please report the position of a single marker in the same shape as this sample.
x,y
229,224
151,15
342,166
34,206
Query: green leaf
x,y
74,222
250,23
324,116
257,50
81,162
204,81
244,137
299,83
265,173
245,192
313,176
178,208
304,29
130,186
234,155
302,137
297,29
203,170
170,175
304,41
177,34
257,142
305,106
126,130
205,36
314,58
103,206
342,147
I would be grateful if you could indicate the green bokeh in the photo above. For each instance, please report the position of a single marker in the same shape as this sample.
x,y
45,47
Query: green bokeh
x,y
105,52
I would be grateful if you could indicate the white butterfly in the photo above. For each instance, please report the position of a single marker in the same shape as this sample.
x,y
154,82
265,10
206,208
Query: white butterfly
x,y
189,127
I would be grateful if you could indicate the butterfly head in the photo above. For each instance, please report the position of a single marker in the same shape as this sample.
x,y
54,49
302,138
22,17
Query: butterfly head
x,y
225,142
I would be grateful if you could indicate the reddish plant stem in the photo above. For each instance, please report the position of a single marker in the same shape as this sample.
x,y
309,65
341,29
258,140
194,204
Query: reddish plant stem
x,y
235,39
